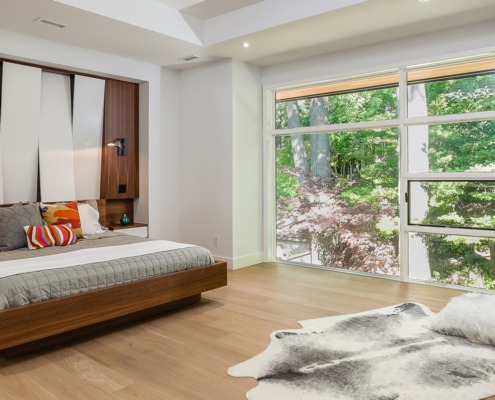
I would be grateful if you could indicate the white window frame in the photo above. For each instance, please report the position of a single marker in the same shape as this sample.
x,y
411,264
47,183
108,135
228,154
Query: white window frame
x,y
402,123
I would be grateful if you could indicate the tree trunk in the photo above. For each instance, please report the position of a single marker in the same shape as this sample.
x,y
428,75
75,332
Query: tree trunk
x,y
320,146
298,151
491,246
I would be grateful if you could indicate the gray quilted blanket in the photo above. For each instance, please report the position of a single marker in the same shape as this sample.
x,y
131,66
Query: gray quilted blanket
x,y
26,288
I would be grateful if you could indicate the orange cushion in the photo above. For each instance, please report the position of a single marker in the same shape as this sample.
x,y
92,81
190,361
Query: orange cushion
x,y
58,214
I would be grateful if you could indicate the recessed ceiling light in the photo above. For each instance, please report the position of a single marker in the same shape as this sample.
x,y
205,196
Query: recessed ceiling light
x,y
245,45
423,1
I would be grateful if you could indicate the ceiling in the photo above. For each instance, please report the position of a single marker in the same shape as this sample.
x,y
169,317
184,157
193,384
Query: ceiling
x,y
162,32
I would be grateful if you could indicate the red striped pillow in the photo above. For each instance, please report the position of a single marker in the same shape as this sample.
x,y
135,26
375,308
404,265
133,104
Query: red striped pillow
x,y
51,235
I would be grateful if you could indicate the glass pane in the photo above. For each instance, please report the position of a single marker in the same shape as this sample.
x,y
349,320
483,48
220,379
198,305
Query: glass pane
x,y
463,204
366,105
461,147
452,96
457,260
337,200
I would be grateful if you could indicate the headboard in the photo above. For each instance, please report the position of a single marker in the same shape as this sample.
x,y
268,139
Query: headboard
x,y
110,210
101,208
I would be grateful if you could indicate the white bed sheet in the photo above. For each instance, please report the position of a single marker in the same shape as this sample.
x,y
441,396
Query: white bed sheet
x,y
86,256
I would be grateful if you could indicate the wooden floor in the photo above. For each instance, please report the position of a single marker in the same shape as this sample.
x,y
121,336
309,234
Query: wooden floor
x,y
185,354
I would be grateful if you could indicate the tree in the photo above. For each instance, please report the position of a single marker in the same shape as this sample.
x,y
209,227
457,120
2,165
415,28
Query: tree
x,y
297,141
345,236
319,143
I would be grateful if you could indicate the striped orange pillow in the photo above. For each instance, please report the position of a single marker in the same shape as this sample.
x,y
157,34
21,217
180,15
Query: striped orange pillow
x,y
58,214
51,235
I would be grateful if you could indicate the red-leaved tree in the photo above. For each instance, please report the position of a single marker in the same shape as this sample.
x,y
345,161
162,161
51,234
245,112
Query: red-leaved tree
x,y
344,235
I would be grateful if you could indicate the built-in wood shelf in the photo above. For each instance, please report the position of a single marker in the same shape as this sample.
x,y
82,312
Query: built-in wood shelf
x,y
116,227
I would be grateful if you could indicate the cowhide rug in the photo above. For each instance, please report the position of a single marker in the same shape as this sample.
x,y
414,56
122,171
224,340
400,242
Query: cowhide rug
x,y
384,354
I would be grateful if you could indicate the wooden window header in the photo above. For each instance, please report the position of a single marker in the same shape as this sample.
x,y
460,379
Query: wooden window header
x,y
387,80
451,70
337,87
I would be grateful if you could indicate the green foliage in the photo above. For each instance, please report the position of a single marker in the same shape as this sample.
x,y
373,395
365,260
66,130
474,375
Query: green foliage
x,y
283,152
364,193
368,105
457,96
460,203
464,146
286,185
460,260
280,116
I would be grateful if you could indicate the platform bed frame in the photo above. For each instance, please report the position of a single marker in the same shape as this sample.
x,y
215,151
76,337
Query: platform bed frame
x,y
29,327
36,325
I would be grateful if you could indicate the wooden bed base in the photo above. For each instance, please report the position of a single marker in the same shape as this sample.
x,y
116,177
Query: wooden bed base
x,y
27,327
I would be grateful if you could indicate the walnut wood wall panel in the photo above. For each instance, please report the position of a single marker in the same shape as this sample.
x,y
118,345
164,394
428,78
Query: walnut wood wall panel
x,y
116,208
119,175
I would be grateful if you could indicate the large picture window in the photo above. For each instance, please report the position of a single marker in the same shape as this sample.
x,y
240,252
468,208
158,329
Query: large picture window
x,y
365,185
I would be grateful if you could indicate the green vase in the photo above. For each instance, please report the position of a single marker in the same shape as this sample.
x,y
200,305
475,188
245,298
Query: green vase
x,y
124,220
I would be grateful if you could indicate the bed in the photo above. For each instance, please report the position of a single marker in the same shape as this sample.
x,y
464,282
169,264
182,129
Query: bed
x,y
75,292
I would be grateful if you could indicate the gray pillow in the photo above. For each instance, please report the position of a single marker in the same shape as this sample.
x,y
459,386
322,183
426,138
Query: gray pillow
x,y
12,222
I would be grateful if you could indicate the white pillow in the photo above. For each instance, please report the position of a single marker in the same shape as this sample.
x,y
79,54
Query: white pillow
x,y
89,220
470,315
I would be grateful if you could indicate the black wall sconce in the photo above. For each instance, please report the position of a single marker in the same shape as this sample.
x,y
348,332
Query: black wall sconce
x,y
121,145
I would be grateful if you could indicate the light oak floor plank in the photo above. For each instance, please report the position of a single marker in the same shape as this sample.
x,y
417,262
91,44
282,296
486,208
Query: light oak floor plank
x,y
184,354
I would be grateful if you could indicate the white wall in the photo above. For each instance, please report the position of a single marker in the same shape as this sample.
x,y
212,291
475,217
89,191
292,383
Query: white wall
x,y
247,166
467,40
206,157
170,154
43,52
221,160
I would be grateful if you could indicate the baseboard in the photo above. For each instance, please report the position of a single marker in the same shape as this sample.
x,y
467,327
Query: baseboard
x,y
247,260
228,260
241,262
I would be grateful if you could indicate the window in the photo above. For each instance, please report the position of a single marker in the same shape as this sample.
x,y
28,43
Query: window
x,y
455,204
345,199
452,259
337,192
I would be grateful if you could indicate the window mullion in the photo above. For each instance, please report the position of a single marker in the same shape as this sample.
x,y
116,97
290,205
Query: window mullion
x,y
403,162
269,180
335,128
449,176
450,231
452,118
